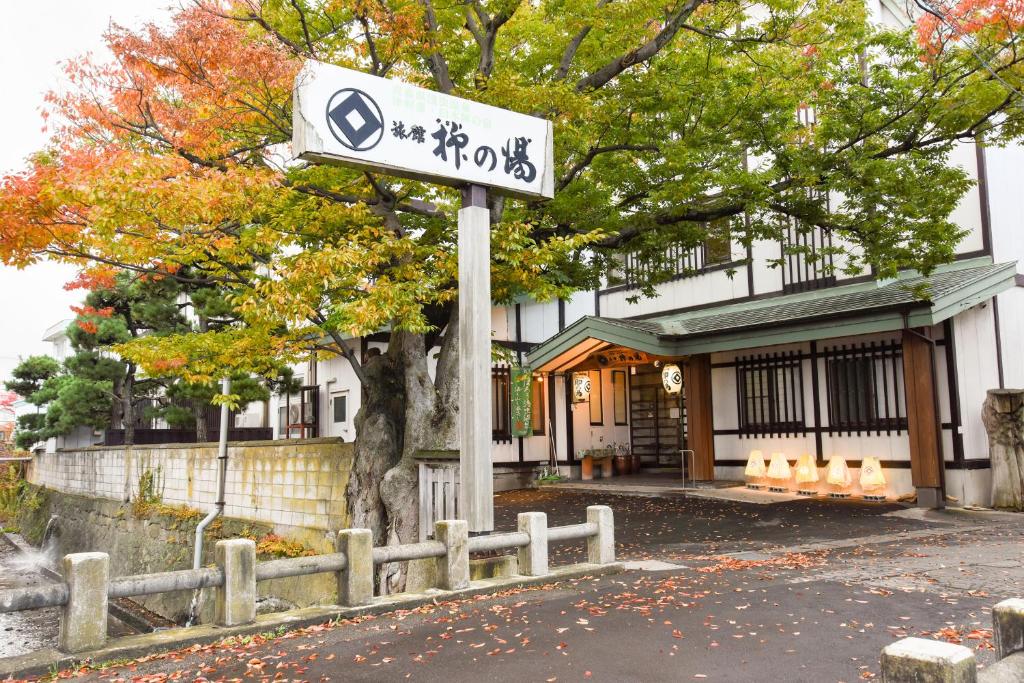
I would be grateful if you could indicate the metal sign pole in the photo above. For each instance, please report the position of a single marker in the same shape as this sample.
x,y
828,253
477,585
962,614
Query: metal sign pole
x,y
475,472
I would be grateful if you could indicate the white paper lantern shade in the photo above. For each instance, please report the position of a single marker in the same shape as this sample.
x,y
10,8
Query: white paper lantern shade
x,y
580,387
755,470
838,476
779,473
672,378
872,479
806,475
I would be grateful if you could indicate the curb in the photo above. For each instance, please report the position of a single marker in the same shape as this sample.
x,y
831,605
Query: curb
x,y
133,647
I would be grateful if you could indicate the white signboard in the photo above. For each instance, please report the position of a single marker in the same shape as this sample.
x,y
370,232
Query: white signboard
x,y
348,117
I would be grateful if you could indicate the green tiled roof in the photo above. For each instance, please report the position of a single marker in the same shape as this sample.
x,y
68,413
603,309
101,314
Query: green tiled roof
x,y
836,301
860,308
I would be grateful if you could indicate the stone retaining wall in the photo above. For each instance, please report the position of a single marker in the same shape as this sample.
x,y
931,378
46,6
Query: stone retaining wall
x,y
147,539
290,484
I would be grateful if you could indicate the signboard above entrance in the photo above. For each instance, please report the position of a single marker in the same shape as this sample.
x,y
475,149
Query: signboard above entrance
x,y
349,117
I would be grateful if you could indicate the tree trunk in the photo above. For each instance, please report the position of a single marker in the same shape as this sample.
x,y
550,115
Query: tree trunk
x,y
199,415
128,405
1003,415
403,411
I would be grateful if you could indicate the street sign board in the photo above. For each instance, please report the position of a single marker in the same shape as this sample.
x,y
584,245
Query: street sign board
x,y
348,117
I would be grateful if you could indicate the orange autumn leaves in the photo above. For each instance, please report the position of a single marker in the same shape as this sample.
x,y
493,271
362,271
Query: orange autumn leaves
x,y
959,20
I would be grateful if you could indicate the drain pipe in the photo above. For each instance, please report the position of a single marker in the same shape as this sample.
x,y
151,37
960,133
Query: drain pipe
x,y
222,473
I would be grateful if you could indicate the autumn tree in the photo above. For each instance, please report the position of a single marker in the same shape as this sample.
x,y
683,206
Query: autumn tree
x,y
668,116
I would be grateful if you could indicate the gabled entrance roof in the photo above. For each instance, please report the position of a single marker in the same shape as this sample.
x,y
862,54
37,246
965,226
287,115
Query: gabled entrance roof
x,y
861,308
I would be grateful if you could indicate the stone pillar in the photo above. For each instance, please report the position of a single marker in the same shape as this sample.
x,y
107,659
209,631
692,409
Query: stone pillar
x,y
83,625
1008,627
533,558
1003,415
235,601
355,581
453,567
920,660
476,479
601,547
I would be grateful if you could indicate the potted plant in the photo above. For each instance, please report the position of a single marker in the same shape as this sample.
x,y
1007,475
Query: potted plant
x,y
623,463
604,456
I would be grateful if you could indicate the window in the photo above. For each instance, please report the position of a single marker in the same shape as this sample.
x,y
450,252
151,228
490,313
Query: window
x,y
339,408
596,408
807,254
619,403
718,245
537,406
864,388
501,411
770,394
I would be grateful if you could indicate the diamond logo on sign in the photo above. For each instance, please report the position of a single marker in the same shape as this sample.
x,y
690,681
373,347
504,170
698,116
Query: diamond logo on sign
x,y
354,119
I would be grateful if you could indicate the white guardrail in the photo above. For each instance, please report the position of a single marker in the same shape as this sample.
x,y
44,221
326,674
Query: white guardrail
x,y
87,588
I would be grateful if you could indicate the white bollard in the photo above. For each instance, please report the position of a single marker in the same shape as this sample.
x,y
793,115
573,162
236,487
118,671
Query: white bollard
x,y
453,567
235,602
83,625
601,547
919,660
1008,627
533,558
355,581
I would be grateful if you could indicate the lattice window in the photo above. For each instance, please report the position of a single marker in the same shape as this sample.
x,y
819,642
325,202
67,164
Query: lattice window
x,y
865,388
770,394
501,407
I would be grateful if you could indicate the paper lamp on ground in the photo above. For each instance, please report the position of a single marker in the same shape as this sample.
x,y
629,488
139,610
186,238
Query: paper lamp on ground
x,y
806,475
872,481
838,476
755,470
778,473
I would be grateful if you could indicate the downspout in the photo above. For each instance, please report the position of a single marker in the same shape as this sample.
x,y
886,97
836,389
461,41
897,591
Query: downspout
x,y
222,473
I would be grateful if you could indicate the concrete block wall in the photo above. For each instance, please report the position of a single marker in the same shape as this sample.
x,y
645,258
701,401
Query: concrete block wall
x,y
291,483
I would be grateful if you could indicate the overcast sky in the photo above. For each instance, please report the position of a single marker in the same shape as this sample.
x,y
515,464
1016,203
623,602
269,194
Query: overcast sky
x,y
35,37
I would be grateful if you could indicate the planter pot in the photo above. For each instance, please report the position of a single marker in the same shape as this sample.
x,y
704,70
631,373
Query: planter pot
x,y
606,468
587,468
623,464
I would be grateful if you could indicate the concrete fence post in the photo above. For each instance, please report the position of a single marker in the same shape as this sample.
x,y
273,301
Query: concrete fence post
x,y
355,581
533,558
83,625
235,602
919,660
453,567
1008,627
601,546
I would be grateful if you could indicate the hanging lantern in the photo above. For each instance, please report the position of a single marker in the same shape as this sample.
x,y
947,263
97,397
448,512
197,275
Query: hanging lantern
x,y
838,475
580,387
806,475
755,470
778,472
872,481
672,378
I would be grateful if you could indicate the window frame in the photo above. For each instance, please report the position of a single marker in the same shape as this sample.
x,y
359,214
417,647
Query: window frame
x,y
595,388
537,406
625,398
883,388
501,404
777,407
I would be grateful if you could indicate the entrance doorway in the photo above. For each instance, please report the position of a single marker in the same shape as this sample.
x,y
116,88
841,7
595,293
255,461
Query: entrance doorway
x,y
657,419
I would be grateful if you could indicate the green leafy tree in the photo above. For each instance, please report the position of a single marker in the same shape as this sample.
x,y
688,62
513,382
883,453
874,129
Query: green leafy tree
x,y
33,378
